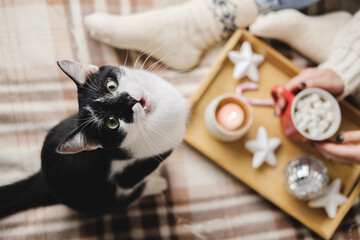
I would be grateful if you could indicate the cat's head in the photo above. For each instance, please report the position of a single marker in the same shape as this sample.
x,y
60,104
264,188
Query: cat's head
x,y
124,108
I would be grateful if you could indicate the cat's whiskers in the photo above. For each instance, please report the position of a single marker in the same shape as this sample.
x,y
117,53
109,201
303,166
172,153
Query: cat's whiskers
x,y
167,120
89,88
93,122
91,85
161,59
141,53
161,46
82,119
99,130
168,112
151,145
161,133
158,68
135,132
164,134
126,58
169,66
172,71
95,84
82,126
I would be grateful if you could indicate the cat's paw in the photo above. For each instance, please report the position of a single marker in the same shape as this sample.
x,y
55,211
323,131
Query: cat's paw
x,y
155,185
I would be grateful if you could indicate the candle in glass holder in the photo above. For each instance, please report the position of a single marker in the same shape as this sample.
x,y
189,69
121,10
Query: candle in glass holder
x,y
230,116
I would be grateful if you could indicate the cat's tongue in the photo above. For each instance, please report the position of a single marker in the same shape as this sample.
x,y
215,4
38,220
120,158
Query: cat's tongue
x,y
146,104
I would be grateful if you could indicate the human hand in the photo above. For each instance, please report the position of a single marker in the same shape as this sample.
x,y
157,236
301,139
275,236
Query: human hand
x,y
346,150
326,79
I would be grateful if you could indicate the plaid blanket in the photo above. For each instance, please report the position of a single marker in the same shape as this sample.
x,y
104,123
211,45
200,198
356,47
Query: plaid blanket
x,y
202,202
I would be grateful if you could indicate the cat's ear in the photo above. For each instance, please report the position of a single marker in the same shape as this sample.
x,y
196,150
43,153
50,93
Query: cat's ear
x,y
78,72
75,143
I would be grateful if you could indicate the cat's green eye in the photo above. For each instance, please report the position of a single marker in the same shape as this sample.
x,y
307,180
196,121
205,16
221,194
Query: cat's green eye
x,y
111,86
112,122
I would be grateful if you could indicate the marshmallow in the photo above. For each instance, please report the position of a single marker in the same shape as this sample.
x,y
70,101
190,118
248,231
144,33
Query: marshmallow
x,y
315,117
313,114
313,111
312,124
314,132
323,125
315,97
322,113
302,125
317,104
300,105
329,116
298,117
306,119
327,105
307,100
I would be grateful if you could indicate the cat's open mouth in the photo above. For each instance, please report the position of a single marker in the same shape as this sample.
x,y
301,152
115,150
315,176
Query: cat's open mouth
x,y
146,104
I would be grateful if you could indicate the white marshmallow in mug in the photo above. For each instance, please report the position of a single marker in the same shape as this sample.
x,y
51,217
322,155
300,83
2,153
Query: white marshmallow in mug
x,y
329,116
327,105
323,112
312,124
317,105
314,132
313,114
323,124
315,97
302,125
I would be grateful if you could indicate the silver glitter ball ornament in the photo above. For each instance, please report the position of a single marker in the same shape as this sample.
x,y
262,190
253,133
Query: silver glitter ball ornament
x,y
305,177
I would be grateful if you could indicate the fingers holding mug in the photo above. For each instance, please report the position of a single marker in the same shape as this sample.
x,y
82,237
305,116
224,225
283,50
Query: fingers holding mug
x,y
348,137
326,79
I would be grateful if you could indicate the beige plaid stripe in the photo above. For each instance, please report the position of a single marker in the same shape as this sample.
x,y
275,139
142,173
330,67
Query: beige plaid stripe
x,y
203,202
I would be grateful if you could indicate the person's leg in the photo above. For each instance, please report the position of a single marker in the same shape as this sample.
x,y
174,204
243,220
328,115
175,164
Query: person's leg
x,y
177,35
310,35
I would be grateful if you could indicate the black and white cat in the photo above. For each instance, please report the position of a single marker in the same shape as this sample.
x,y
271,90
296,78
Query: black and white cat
x,y
103,158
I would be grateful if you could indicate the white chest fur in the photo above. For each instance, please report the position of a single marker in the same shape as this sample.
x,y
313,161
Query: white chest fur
x,y
155,184
117,167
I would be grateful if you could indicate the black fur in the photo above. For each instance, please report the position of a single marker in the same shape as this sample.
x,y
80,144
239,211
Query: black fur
x,y
25,194
133,174
81,180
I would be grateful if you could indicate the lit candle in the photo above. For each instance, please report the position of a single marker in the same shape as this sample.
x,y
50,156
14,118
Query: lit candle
x,y
230,116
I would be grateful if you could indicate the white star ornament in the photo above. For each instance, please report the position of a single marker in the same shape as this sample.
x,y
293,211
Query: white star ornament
x,y
263,148
246,62
330,199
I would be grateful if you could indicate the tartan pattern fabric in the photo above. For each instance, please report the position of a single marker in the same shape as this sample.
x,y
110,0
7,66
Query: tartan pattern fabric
x,y
202,202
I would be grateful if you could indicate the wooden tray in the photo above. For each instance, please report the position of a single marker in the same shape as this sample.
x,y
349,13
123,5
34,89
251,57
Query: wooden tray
x,y
235,159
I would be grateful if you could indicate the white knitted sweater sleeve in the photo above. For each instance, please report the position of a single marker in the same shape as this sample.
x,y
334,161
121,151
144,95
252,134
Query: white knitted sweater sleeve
x,y
345,57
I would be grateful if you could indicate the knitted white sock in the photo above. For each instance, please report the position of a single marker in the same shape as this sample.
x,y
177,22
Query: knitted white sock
x,y
311,36
177,35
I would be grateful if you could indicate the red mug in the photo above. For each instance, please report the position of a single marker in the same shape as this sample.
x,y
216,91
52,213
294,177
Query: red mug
x,y
288,125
